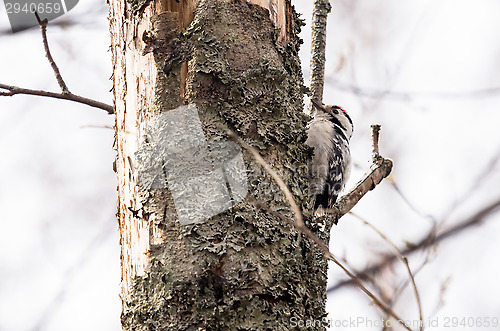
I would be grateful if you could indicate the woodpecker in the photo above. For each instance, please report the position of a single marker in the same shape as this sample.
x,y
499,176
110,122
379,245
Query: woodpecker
x,y
328,133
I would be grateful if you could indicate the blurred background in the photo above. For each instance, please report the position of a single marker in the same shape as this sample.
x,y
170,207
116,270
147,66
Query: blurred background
x,y
425,70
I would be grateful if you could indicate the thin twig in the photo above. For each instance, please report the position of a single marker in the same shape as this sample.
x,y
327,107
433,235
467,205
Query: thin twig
x,y
303,228
403,259
277,178
415,272
482,176
13,90
409,95
375,139
403,196
43,28
377,301
91,126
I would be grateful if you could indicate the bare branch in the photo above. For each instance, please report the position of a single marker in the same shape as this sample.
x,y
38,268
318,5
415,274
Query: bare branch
x,y
415,271
403,196
377,301
66,94
43,28
403,259
407,96
13,90
430,239
318,45
378,171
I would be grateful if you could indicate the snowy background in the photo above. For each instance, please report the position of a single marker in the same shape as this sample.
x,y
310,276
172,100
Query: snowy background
x,y
427,71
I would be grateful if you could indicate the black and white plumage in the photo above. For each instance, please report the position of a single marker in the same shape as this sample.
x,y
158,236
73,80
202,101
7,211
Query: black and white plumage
x,y
328,133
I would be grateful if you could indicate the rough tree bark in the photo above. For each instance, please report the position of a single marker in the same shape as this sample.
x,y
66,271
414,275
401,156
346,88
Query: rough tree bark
x,y
242,269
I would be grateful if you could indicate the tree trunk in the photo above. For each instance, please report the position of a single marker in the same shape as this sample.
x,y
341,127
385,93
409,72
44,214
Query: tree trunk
x,y
184,73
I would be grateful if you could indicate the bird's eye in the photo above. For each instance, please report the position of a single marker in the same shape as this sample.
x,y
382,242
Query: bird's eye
x,y
342,109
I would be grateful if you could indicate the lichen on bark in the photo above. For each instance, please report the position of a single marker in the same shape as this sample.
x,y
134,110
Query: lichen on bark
x,y
242,269
136,6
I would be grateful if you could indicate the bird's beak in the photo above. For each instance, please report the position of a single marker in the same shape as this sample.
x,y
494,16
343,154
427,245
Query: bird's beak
x,y
317,105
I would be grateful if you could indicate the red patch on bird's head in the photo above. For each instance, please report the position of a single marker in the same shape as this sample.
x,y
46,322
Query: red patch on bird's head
x,y
345,111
